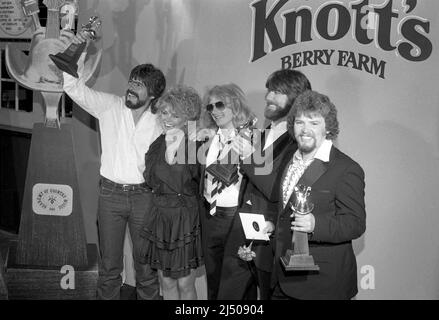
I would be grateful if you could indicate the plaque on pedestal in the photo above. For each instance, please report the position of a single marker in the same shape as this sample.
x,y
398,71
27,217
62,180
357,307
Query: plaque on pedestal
x,y
52,233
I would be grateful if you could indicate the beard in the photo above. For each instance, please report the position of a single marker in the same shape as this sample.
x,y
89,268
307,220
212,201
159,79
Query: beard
x,y
133,105
276,114
306,147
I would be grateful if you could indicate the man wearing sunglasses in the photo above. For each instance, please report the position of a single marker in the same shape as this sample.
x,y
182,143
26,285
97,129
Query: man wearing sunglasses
x,y
283,86
127,128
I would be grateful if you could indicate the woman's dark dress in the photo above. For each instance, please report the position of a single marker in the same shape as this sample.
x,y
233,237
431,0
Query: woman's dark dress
x,y
172,225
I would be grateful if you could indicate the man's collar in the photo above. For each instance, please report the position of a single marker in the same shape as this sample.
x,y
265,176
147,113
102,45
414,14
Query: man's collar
x,y
280,126
322,153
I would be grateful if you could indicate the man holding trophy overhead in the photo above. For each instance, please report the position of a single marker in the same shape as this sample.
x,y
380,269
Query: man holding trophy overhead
x,y
127,128
334,186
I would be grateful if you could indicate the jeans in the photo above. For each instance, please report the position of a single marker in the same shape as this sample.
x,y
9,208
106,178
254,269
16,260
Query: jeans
x,y
116,209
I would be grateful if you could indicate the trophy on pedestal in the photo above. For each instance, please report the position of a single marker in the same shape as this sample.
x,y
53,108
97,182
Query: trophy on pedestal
x,y
52,234
298,258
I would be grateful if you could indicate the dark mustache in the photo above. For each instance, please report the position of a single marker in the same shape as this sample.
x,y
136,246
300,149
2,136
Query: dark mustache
x,y
133,93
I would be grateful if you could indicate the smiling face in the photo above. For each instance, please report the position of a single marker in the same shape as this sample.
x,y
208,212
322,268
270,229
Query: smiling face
x,y
310,132
169,119
223,118
136,95
276,105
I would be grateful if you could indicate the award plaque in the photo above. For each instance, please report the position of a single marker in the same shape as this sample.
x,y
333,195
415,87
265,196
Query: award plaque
x,y
298,258
67,61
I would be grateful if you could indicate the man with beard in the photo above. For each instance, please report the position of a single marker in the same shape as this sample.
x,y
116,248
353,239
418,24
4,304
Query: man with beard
x,y
127,128
338,217
261,196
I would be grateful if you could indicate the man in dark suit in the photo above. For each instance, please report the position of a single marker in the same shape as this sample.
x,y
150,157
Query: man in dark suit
x,y
338,216
240,277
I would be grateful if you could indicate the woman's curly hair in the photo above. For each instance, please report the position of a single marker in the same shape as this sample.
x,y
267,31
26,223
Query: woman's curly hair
x,y
184,100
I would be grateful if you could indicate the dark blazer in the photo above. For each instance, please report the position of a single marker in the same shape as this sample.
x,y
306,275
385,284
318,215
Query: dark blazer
x,y
263,192
339,211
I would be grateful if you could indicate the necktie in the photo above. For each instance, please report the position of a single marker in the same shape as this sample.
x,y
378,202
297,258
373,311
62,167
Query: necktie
x,y
215,186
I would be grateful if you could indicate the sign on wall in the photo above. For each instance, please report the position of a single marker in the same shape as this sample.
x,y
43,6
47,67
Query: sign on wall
x,y
391,26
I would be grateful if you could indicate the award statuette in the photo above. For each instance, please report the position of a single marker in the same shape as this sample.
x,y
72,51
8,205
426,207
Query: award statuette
x,y
227,173
298,258
67,61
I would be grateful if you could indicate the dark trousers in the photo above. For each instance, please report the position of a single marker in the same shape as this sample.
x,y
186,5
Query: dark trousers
x,y
263,279
216,229
240,278
278,294
117,208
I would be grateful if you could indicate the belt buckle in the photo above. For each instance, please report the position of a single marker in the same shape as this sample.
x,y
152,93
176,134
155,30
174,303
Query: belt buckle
x,y
126,187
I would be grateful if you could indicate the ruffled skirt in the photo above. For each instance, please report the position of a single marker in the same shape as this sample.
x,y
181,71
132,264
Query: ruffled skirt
x,y
172,236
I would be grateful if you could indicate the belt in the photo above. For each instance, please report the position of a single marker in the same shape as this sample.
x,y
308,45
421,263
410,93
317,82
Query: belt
x,y
124,187
222,211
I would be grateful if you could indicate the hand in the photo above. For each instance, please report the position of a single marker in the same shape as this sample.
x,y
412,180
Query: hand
x,y
269,228
205,134
80,37
242,146
245,253
304,223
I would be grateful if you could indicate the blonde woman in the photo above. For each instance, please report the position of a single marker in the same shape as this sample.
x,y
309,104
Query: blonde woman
x,y
171,231
225,111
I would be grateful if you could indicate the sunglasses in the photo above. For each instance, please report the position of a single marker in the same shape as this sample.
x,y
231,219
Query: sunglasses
x,y
219,105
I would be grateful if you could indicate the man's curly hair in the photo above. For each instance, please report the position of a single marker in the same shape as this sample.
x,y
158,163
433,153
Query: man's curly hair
x,y
153,78
312,103
184,100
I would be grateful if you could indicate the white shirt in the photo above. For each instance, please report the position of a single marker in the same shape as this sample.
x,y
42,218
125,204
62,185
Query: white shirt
x,y
124,144
275,131
229,196
298,166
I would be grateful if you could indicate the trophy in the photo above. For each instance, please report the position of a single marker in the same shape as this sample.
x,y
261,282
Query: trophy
x,y
227,173
67,60
298,258
52,234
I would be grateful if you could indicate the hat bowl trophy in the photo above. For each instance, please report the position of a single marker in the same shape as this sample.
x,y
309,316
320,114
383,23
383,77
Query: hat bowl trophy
x,y
298,258
51,259
67,60
226,170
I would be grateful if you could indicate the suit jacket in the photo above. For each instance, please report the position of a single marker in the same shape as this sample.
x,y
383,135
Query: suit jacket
x,y
262,192
339,211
